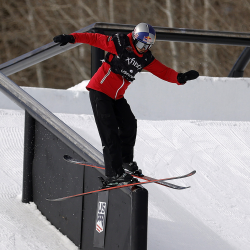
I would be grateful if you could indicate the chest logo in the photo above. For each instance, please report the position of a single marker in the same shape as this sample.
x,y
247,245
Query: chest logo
x,y
132,61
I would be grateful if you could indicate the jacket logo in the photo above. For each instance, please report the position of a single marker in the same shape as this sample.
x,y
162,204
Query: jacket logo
x,y
133,62
127,74
118,39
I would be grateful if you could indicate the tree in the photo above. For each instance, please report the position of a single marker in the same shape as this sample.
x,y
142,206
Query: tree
x,y
27,25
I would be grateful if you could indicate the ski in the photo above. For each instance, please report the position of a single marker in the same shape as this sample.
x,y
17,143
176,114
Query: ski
x,y
121,186
143,177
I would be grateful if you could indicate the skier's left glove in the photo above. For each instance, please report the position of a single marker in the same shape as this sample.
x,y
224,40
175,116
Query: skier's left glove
x,y
64,39
182,78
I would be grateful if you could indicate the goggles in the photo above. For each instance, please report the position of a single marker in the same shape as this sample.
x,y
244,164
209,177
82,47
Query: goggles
x,y
141,45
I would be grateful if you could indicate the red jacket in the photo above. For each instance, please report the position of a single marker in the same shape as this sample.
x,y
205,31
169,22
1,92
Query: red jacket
x,y
112,84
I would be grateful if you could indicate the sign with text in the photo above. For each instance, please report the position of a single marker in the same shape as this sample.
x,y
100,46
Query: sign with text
x,y
100,222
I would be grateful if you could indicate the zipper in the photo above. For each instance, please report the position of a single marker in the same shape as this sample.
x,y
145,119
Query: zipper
x,y
104,78
120,87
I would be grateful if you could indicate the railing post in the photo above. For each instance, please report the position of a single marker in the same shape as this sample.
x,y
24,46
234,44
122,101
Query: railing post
x,y
97,55
241,63
29,142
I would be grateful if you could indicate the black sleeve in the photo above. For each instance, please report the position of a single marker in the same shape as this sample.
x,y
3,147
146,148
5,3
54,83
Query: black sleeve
x,y
119,40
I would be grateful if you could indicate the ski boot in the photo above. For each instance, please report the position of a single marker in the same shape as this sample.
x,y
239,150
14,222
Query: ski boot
x,y
124,178
132,168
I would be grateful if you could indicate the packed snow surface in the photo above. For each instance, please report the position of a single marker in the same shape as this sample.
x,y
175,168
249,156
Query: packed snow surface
x,y
213,214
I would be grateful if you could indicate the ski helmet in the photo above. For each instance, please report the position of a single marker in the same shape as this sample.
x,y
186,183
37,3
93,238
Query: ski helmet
x,y
143,36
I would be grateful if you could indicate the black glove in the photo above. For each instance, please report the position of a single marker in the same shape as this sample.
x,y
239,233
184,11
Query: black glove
x,y
184,77
64,39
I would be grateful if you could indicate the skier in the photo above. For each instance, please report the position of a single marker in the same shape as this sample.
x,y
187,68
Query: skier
x,y
127,55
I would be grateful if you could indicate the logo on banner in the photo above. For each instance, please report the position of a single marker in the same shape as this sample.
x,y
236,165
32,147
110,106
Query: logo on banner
x,y
101,216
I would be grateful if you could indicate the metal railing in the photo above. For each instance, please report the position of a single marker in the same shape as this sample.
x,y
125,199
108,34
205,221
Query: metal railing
x,y
49,120
163,34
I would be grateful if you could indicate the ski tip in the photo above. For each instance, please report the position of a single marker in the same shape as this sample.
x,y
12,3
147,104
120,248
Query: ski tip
x,y
182,188
59,199
67,158
48,199
193,172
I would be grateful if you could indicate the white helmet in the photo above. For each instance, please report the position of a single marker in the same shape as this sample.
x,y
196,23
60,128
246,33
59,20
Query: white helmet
x,y
144,36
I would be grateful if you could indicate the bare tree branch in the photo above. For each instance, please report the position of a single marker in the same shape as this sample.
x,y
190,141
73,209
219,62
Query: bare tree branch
x,y
111,11
168,11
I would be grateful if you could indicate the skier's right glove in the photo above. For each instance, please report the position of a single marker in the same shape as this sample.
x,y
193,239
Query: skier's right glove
x,y
64,39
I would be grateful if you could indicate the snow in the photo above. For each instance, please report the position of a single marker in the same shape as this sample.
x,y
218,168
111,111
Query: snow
x,y
213,214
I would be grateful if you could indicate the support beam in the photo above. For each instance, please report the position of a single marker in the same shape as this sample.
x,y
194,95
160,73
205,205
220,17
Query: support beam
x,y
97,55
29,142
241,63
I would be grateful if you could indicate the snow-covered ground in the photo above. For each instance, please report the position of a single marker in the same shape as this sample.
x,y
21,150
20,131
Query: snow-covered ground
x,y
213,214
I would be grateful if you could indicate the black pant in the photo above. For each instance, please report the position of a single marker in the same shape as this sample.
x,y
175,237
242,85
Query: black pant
x,y
117,128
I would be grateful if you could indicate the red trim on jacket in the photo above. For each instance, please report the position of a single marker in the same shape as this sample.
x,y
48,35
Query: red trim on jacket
x,y
112,84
